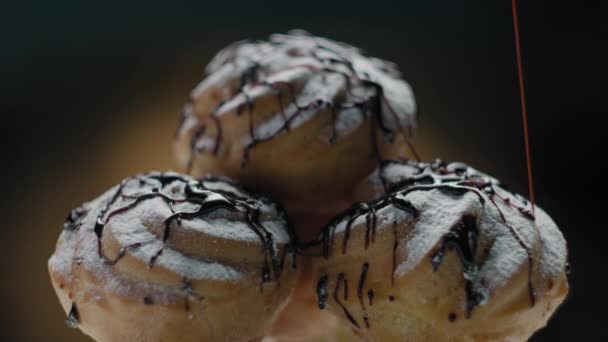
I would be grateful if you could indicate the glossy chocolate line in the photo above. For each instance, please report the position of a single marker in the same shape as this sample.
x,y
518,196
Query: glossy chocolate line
x,y
370,226
361,208
337,299
361,284
318,104
252,219
275,85
463,238
345,289
437,173
73,317
366,210
370,297
121,253
322,292
74,219
100,224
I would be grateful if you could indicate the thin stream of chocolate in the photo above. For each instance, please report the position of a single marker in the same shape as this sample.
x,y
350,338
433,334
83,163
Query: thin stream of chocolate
x,y
522,97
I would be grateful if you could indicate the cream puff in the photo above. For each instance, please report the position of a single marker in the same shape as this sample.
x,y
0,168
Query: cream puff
x,y
298,117
165,257
446,254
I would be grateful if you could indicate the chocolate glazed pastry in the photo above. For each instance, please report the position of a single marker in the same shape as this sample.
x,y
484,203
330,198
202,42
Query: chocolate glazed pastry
x,y
446,254
163,257
285,116
434,251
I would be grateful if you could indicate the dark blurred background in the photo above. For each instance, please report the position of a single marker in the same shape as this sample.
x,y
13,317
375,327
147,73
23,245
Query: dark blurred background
x,y
90,92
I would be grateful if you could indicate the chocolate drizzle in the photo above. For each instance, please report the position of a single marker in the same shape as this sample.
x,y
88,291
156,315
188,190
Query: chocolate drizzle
x,y
73,317
208,201
322,292
364,269
368,210
348,315
458,179
256,63
455,179
452,317
370,297
74,219
463,238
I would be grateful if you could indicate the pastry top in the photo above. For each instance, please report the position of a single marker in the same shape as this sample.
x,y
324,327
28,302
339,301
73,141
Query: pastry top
x,y
210,229
306,76
163,256
442,207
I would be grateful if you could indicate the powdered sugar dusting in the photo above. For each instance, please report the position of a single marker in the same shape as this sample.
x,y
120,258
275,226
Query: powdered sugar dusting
x,y
139,229
310,76
507,239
